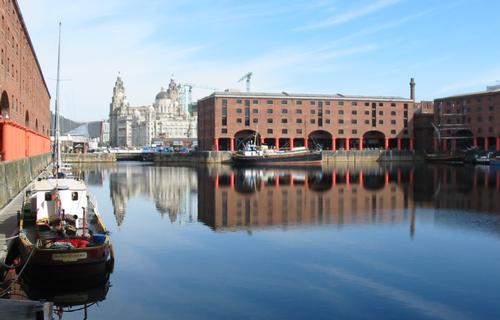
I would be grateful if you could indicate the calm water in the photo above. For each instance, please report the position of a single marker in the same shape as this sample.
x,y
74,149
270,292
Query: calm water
x,y
327,243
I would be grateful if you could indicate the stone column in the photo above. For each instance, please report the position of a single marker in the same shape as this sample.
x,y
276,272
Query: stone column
x,y
216,144
399,143
498,144
361,143
347,147
277,143
411,144
291,143
486,146
334,144
231,144
386,144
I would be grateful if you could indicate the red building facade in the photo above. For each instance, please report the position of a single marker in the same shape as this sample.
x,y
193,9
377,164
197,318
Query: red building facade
x,y
227,120
468,120
24,96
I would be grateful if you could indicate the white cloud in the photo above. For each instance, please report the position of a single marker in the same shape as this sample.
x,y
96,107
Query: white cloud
x,y
350,15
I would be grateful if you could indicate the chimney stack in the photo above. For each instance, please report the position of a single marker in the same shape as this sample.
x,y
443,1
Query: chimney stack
x,y
412,89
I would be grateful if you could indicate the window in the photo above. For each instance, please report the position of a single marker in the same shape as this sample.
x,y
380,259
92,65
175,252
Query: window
x,y
247,103
269,120
299,120
367,121
269,101
393,122
284,101
327,121
354,131
238,101
284,120
313,103
74,196
354,103
239,120
491,108
313,111
393,131
298,111
327,103
327,111
341,111
341,121
239,110
393,113
393,104
299,102
354,112
270,131
48,196
223,130
255,110
284,111
299,131
380,104
284,131
381,122
224,110
313,121
224,121
255,101
406,106
367,112
341,131
224,102
381,113
354,121
367,104
255,120
269,110
341,103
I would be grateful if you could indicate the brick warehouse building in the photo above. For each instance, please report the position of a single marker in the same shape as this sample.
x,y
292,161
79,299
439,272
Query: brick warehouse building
x,y
24,96
228,119
471,119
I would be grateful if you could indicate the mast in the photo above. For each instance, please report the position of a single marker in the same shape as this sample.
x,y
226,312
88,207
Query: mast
x,y
57,124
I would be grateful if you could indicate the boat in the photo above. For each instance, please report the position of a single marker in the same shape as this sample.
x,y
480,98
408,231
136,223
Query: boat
x,y
495,162
251,154
437,157
66,236
61,232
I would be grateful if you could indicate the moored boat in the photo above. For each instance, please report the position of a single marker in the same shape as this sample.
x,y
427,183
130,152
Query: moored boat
x,y
495,162
252,154
67,237
455,158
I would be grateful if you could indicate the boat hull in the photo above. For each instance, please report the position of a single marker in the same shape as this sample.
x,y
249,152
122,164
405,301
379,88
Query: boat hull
x,y
495,163
68,265
288,159
445,158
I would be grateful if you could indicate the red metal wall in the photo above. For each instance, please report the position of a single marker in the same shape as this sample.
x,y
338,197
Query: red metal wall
x,y
18,142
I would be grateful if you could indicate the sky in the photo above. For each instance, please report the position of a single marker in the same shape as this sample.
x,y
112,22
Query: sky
x,y
364,47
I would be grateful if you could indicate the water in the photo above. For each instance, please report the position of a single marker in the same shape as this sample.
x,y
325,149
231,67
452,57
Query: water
x,y
349,242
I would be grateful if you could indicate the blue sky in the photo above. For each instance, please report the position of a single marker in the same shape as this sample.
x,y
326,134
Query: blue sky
x,y
369,47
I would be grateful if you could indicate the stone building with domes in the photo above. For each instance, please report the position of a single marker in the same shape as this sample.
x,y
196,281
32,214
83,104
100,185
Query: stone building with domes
x,y
167,120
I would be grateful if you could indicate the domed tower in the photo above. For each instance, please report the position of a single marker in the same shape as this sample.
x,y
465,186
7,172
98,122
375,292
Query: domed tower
x,y
161,101
172,91
117,106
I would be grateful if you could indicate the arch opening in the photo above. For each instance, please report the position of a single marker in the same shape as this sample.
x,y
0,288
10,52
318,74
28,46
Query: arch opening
x,y
320,139
241,138
4,105
374,140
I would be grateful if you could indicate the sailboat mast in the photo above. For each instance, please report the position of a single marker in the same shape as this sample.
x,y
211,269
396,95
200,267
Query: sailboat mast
x,y
57,124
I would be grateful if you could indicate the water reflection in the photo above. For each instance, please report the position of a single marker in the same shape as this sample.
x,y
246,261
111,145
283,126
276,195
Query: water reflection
x,y
249,198
226,198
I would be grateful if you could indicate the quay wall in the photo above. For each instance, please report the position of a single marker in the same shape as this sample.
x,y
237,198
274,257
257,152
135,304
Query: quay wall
x,y
371,156
88,157
17,174
193,157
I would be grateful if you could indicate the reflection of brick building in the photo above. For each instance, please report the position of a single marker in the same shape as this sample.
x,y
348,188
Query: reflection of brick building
x,y
24,97
258,198
469,119
228,119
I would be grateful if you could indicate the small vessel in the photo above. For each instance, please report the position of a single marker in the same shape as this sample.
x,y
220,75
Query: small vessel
x,y
495,162
66,236
251,154
61,233
436,157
